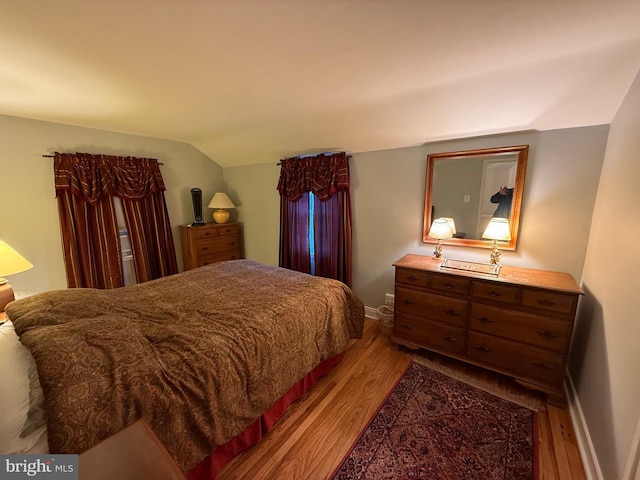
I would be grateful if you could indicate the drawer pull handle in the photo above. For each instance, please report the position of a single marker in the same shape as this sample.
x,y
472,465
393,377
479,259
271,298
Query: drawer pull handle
x,y
412,278
406,326
541,365
485,320
481,348
493,293
451,312
449,339
546,303
407,302
448,285
547,335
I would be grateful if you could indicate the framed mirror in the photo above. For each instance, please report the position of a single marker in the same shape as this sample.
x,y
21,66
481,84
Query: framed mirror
x,y
473,186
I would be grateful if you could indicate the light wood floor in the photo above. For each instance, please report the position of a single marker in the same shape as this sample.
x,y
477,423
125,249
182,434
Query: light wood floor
x,y
313,437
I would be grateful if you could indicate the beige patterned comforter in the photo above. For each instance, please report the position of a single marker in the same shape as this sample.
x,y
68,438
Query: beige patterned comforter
x,y
199,355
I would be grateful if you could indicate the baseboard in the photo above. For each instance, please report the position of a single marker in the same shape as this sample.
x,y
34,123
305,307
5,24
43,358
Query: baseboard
x,y
371,312
583,438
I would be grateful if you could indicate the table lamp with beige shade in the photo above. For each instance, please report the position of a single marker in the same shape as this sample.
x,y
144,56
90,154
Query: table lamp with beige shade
x,y
11,262
497,230
441,228
220,203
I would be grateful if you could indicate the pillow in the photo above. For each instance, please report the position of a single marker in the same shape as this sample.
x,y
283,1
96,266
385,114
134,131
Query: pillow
x,y
22,422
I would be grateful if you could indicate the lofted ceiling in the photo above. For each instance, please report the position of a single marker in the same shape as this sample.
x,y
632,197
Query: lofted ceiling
x,y
248,81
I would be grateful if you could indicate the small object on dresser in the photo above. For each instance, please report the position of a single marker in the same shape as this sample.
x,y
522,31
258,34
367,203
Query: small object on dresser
x,y
474,267
196,200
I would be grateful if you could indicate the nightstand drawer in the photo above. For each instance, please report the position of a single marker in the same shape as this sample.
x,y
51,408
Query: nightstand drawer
x,y
491,291
442,337
433,307
532,329
524,362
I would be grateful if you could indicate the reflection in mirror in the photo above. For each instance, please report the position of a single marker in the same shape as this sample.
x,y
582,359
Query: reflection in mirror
x,y
472,187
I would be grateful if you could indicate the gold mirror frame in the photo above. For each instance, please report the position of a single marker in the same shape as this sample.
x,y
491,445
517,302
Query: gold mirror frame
x,y
521,151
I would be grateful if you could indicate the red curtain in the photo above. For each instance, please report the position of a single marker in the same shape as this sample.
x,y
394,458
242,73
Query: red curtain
x,y
327,177
85,187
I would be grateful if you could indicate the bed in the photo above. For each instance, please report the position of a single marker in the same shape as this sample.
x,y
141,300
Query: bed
x,y
210,357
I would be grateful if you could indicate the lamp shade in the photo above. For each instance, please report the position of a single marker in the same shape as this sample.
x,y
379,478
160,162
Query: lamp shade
x,y
440,229
11,262
498,229
452,224
220,200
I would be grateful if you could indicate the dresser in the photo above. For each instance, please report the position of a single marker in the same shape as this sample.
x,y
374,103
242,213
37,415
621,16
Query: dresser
x,y
209,243
518,323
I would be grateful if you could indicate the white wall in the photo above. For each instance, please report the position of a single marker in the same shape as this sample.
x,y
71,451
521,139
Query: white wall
x,y
605,358
29,212
387,196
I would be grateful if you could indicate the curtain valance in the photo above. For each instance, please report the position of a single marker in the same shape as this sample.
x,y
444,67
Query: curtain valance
x,y
323,175
92,176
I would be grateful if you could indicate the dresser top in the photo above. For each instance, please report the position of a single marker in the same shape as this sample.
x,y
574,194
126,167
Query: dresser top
x,y
528,277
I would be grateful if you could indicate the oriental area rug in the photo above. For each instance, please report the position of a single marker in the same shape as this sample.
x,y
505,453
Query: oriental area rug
x,y
435,427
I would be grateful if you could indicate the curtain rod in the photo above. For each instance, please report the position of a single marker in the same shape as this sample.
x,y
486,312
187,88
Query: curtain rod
x,y
53,156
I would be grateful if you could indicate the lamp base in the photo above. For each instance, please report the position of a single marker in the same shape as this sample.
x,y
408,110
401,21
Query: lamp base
x,y
437,253
495,253
6,295
220,216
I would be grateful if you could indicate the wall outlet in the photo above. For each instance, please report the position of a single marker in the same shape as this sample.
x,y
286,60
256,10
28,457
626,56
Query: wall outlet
x,y
389,299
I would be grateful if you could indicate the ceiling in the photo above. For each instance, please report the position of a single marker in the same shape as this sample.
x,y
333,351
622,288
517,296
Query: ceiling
x,y
248,82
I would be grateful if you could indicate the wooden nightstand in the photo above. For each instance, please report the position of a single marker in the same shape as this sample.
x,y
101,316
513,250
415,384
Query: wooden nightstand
x,y
134,453
209,243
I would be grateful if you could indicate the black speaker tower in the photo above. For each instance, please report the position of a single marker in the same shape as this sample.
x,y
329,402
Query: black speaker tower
x,y
196,199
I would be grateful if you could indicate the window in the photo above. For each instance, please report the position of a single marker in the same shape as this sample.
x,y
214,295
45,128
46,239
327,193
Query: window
x,y
312,231
315,215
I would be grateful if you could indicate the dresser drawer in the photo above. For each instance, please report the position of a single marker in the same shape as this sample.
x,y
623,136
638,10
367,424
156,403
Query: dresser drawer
x,y
433,307
538,365
412,277
204,233
449,284
429,334
549,301
216,244
218,257
491,291
532,329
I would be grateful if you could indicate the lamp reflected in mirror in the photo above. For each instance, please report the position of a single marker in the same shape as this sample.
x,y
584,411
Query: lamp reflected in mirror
x,y
441,229
497,231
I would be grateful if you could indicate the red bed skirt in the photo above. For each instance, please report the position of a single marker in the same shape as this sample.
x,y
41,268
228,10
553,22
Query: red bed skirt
x,y
213,464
